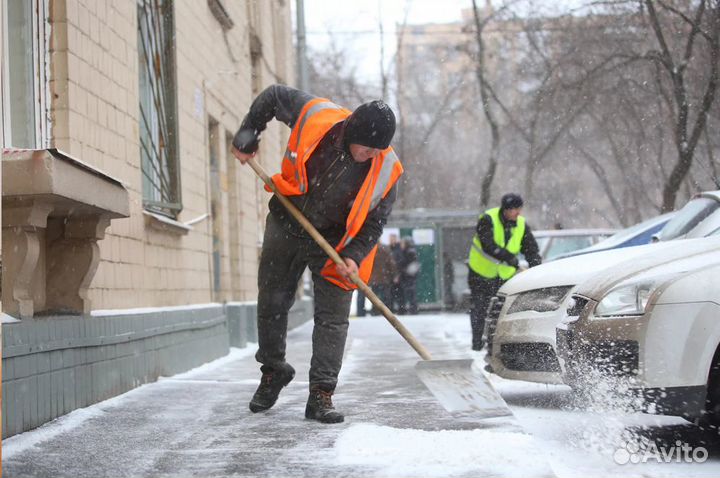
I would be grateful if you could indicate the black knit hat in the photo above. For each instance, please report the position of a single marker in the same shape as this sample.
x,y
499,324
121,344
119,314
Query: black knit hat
x,y
511,201
372,124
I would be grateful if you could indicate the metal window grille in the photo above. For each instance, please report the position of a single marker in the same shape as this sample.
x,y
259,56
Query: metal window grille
x,y
158,124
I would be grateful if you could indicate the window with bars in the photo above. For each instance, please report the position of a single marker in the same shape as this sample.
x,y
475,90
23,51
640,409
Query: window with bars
x,y
158,118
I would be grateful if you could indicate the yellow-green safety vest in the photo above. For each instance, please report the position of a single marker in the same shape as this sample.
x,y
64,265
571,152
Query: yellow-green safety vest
x,y
488,266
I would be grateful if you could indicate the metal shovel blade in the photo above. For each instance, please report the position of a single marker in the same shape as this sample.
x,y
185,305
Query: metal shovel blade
x,y
460,390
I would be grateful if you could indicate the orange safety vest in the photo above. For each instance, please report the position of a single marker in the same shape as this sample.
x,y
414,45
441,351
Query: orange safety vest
x,y
315,120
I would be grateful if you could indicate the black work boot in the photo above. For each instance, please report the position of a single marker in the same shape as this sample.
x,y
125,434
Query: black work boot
x,y
272,381
478,344
320,407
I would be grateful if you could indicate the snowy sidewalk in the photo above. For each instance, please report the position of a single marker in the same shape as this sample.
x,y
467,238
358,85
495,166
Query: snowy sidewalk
x,y
198,423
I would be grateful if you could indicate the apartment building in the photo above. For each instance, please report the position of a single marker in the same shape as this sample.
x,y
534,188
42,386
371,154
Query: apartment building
x,y
124,213
150,93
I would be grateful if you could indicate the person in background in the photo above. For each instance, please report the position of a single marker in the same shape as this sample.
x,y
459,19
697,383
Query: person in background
x,y
383,276
448,280
341,172
500,235
396,293
409,268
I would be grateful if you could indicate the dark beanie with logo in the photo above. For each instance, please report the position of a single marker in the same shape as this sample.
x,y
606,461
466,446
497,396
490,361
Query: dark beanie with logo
x,y
372,124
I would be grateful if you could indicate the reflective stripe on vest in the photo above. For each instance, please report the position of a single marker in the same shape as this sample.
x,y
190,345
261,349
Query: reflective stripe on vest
x,y
488,266
317,117
384,173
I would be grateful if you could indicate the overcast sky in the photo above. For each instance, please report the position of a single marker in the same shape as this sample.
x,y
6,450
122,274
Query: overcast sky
x,y
354,24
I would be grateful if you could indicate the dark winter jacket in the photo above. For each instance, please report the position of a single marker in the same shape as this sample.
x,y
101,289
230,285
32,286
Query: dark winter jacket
x,y
409,265
384,268
334,178
528,247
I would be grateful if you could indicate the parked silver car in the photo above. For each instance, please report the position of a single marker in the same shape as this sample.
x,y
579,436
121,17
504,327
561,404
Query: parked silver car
x,y
522,319
653,329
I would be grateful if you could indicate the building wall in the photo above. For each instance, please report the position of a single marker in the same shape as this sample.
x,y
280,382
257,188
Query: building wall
x,y
2,109
95,113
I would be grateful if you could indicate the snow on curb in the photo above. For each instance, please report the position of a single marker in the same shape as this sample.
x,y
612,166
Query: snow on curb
x,y
22,441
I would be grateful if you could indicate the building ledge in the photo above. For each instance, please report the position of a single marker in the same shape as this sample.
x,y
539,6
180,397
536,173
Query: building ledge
x,y
165,224
55,209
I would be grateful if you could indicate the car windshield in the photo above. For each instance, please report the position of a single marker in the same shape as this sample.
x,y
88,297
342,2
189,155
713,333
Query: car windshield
x,y
542,242
561,245
706,226
688,217
629,232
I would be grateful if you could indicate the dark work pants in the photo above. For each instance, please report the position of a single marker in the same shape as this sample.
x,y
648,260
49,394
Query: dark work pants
x,y
481,291
384,293
409,303
360,303
282,262
396,297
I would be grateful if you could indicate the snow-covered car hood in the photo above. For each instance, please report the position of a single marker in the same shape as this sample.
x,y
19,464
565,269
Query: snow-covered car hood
x,y
615,263
691,255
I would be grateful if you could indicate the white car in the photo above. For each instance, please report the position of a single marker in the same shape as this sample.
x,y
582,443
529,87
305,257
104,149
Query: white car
x,y
521,323
655,326
556,242
697,218
552,243
521,337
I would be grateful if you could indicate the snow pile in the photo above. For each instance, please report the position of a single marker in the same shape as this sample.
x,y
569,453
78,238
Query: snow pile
x,y
409,452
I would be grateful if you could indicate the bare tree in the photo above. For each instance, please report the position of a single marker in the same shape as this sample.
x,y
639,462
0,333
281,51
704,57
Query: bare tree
x,y
680,64
481,73
639,100
332,75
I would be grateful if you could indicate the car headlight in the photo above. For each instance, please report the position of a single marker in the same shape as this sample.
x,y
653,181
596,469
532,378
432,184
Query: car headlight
x,y
539,300
629,299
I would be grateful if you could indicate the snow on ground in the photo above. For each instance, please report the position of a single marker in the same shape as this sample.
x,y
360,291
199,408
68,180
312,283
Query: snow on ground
x,y
393,428
409,452
585,439
18,443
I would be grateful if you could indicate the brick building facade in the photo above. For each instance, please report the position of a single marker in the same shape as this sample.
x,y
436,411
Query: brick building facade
x,y
130,233
216,56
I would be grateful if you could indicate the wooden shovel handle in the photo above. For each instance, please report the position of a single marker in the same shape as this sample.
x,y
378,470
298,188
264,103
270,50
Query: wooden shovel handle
x,y
330,251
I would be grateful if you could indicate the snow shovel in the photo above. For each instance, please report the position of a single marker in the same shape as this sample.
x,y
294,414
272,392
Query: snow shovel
x,y
460,389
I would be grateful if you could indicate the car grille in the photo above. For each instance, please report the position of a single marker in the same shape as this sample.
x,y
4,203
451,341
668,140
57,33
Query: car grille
x,y
529,357
491,320
616,357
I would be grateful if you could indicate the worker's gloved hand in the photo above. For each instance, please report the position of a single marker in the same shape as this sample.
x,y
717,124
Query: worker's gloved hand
x,y
514,262
247,140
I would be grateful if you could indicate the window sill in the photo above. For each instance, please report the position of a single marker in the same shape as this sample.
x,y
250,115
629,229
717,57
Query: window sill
x,y
165,224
